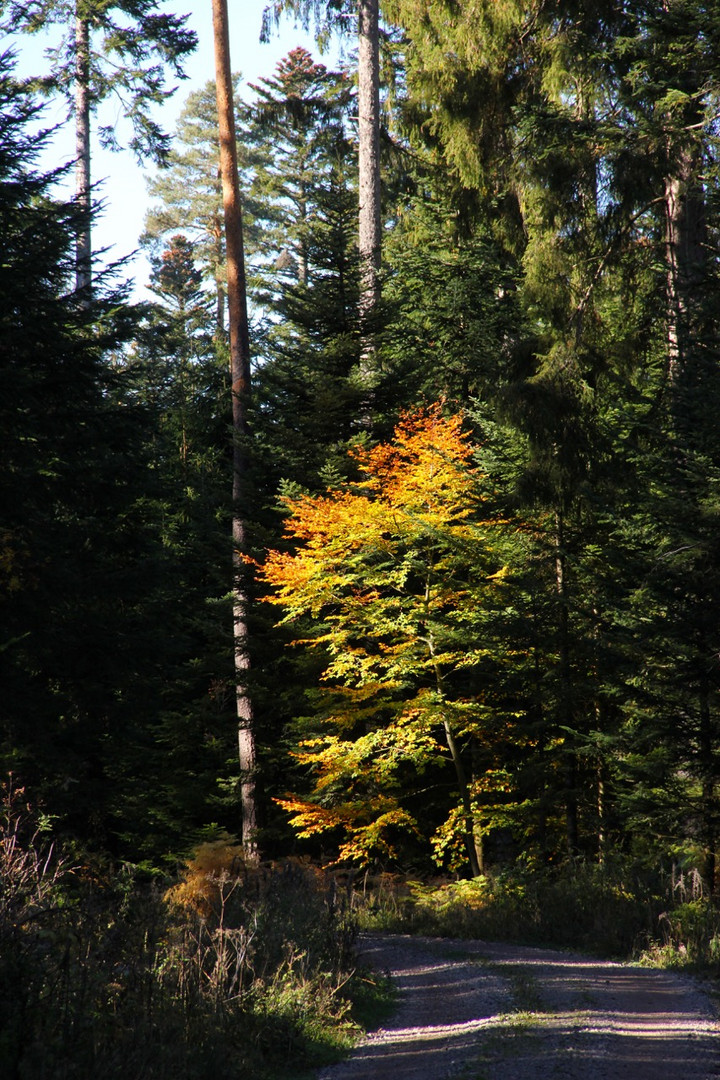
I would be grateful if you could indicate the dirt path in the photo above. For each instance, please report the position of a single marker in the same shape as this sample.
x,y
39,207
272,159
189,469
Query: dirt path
x,y
480,1011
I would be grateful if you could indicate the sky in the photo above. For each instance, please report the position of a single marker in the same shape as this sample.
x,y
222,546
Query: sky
x,y
121,181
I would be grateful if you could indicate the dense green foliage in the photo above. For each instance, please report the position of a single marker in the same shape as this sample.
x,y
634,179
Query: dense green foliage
x,y
515,670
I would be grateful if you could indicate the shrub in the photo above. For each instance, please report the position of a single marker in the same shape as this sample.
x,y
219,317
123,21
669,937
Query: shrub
x,y
602,909
689,937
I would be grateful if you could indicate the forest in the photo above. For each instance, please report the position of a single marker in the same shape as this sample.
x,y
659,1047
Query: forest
x,y
371,569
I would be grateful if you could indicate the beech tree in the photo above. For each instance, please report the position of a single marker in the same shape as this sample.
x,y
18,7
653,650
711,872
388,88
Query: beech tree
x,y
396,579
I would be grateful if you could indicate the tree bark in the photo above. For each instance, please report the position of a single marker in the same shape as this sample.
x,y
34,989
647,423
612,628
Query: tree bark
x,y
369,219
570,762
685,253
473,844
83,242
685,221
240,387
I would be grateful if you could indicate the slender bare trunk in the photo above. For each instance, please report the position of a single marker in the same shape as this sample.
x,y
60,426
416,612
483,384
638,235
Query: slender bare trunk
x,y
369,220
685,223
602,836
473,843
685,253
240,383
83,245
570,763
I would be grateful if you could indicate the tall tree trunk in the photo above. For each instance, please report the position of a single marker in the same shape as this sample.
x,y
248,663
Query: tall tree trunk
x,y
240,382
685,220
83,244
686,258
369,220
570,763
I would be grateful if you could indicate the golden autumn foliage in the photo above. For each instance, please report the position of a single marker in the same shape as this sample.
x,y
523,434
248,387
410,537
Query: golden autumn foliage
x,y
392,577
217,868
211,866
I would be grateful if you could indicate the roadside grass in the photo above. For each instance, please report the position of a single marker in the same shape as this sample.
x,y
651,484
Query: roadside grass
x,y
373,999
688,939
250,970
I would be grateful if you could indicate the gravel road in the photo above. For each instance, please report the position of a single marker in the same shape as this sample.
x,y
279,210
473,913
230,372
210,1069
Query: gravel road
x,y
472,1010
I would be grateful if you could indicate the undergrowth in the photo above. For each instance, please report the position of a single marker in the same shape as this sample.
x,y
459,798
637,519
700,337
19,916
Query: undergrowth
x,y
688,929
615,910
242,970
234,971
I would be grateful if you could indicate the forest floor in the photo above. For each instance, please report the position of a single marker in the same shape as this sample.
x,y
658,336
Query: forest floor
x,y
472,1010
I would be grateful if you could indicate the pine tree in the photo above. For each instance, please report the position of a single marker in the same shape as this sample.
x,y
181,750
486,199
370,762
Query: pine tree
x,y
137,41
240,384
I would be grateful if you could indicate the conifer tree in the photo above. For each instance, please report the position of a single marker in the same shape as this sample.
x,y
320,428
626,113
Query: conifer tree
x,y
307,398
299,119
185,780
240,390
137,41
332,15
187,190
78,558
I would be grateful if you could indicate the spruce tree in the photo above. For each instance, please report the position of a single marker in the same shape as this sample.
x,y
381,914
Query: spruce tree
x,y
78,557
331,16
307,398
298,125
